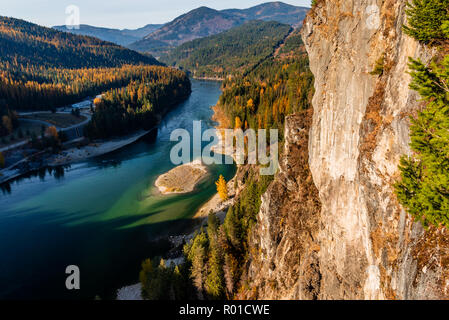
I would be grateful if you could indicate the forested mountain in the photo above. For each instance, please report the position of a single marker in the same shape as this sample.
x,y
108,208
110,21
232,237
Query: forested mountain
x,y
41,68
204,22
273,11
229,52
24,43
121,37
198,23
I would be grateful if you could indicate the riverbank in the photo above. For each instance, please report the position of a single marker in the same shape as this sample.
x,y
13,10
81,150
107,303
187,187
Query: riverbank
x,y
102,210
94,149
182,179
208,78
67,157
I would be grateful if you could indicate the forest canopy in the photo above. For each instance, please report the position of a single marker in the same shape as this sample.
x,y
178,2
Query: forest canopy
x,y
43,69
424,185
140,104
230,52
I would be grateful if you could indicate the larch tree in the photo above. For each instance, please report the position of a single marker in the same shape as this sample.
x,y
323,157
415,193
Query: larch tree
x,y
222,188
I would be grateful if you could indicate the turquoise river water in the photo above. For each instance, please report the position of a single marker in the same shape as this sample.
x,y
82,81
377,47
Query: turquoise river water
x,y
102,215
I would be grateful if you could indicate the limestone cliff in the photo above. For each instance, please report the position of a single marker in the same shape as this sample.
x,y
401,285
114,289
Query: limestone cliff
x,y
349,238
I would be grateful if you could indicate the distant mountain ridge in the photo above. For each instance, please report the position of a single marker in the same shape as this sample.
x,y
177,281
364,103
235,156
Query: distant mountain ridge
x,y
204,21
273,11
198,23
122,37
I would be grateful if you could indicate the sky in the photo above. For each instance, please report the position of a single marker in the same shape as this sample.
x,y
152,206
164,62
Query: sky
x,y
120,14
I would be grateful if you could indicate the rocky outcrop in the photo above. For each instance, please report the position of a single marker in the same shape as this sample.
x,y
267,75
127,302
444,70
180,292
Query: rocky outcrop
x,y
284,256
361,244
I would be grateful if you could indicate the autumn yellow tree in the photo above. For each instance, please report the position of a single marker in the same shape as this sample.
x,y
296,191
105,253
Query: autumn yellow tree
x,y
52,132
222,188
2,160
250,104
238,123
97,101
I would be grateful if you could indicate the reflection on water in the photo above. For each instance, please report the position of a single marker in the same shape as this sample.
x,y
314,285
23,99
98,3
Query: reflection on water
x,y
102,215
54,172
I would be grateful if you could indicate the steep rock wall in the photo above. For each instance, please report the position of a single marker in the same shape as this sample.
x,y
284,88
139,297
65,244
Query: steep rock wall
x,y
284,248
361,245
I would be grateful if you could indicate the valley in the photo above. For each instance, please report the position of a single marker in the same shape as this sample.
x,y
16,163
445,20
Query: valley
x,y
347,100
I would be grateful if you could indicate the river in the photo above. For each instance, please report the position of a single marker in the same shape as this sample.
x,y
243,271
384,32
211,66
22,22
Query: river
x,y
101,215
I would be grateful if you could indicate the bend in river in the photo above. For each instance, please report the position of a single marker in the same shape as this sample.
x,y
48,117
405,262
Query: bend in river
x,y
102,215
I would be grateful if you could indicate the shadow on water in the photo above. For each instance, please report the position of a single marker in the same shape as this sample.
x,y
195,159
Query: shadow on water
x,y
102,215
57,173
40,269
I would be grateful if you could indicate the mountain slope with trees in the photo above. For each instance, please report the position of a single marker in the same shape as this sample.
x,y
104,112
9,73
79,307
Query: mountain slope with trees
x,y
198,23
42,68
25,43
273,11
230,52
203,22
140,104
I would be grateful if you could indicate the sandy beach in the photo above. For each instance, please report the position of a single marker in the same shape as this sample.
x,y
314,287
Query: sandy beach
x,y
182,179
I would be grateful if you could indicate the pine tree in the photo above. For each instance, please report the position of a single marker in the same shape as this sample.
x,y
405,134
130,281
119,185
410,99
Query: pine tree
x,y
215,277
232,226
196,253
213,223
426,20
145,276
222,188
424,187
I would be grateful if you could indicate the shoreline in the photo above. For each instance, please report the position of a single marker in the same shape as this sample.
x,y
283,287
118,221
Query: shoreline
x,y
92,150
72,155
214,204
95,149
209,78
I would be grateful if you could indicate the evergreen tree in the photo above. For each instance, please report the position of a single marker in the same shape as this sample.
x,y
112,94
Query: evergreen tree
x,y
215,277
424,188
196,253
145,276
232,226
427,20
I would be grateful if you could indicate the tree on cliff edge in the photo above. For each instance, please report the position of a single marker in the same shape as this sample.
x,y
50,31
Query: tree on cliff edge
x,y
427,20
424,187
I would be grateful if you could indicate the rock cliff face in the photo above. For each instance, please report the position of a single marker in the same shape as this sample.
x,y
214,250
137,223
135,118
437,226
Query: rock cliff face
x,y
355,241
